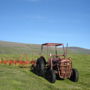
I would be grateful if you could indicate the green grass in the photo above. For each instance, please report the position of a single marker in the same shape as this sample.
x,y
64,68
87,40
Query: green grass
x,y
15,78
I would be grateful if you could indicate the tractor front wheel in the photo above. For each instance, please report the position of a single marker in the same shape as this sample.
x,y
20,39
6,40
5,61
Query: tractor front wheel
x,y
75,75
51,76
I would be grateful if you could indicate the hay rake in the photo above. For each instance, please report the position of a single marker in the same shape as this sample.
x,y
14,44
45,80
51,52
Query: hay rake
x,y
19,61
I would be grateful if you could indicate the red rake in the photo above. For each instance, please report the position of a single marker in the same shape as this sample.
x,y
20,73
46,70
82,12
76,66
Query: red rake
x,y
19,61
10,62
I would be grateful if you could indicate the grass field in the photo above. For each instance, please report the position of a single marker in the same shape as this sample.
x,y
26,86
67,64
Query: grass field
x,y
15,78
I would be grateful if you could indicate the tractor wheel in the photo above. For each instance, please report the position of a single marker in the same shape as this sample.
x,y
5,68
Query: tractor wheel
x,y
75,75
33,69
51,76
40,66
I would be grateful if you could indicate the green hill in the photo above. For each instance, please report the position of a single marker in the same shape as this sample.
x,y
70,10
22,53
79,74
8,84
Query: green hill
x,y
21,48
18,48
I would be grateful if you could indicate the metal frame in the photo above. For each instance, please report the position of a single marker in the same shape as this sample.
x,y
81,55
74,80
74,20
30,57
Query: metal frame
x,y
55,45
61,63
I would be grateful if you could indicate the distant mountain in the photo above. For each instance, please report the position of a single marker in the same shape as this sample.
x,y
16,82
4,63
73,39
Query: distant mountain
x,y
21,48
79,50
18,48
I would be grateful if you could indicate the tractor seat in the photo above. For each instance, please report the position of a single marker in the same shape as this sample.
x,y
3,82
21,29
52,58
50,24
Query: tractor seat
x,y
54,60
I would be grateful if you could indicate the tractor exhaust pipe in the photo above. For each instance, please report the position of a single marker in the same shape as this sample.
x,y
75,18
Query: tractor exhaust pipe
x,y
65,50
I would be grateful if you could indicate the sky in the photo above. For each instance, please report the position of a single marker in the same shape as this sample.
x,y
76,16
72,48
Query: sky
x,y
42,21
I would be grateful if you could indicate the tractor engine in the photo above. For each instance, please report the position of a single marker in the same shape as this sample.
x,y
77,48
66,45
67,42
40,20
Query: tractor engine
x,y
65,68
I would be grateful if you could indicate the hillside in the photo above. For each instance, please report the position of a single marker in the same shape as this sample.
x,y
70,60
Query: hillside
x,y
15,78
20,48
17,48
79,50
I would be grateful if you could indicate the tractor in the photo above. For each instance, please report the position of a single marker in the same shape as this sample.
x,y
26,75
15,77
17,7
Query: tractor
x,y
58,66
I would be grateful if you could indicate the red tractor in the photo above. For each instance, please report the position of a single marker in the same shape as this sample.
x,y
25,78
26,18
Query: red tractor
x,y
57,66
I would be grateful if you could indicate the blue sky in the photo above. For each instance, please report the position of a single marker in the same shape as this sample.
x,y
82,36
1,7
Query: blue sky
x,y
40,21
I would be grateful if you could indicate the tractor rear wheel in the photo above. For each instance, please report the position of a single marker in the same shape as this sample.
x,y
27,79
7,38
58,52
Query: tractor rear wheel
x,y
40,66
33,69
51,76
75,75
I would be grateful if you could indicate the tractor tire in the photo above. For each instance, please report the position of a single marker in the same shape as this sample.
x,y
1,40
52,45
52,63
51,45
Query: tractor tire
x,y
40,67
33,69
75,75
51,76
